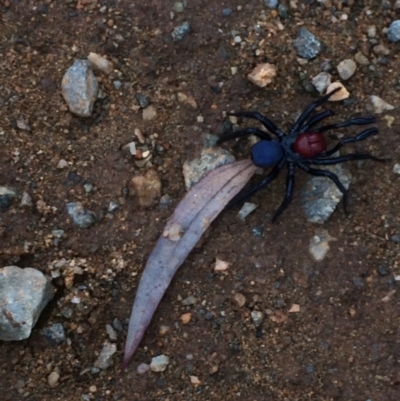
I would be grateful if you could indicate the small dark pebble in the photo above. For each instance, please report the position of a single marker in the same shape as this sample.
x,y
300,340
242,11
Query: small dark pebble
x,y
209,315
277,285
280,303
216,89
358,282
258,231
165,201
259,332
226,12
55,333
327,66
143,100
382,269
283,11
73,178
395,238
349,102
309,368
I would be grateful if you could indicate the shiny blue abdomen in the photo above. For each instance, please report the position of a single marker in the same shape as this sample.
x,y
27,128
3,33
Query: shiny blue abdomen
x,y
266,153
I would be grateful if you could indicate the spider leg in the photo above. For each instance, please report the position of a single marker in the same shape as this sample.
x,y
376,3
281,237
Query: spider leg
x,y
353,121
244,132
332,176
316,119
341,159
289,191
267,180
360,137
306,113
266,122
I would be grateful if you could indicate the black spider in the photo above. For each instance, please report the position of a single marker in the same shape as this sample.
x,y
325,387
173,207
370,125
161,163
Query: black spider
x,y
302,147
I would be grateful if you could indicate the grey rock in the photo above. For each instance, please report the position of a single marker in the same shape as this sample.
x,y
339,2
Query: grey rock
x,y
226,12
393,32
246,209
271,3
322,81
180,31
190,300
104,360
319,245
24,293
7,196
283,11
159,363
81,217
320,196
178,7
143,100
80,88
26,200
257,317
55,333
117,84
306,44
210,159
113,207
346,68
165,201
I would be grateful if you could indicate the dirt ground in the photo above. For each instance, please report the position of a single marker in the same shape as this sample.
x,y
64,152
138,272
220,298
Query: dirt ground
x,y
343,344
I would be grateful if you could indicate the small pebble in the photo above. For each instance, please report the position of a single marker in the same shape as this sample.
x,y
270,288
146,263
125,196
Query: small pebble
x,y
81,217
322,81
7,196
221,265
319,245
258,317
62,164
143,100
186,318
159,363
382,270
346,69
396,168
26,200
191,300
393,32
53,379
379,105
283,11
112,334
117,84
113,207
149,113
271,3
178,7
100,63
143,368
180,31
240,299
257,231
395,238
226,12
361,59
55,333
306,44
246,209
295,308
104,360
263,74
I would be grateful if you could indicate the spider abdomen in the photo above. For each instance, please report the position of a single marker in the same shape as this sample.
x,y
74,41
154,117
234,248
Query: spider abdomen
x,y
266,153
309,144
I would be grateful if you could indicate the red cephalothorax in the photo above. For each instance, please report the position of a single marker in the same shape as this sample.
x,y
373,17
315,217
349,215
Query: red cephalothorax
x,y
309,144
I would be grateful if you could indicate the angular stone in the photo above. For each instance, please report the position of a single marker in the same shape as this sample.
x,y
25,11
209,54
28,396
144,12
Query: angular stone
x,y
24,293
147,188
80,88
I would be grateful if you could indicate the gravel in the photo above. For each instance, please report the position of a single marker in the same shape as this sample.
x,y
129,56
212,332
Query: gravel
x,y
393,32
306,44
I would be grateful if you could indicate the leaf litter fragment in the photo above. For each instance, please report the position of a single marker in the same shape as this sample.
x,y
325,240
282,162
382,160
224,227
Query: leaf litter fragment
x,y
194,214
